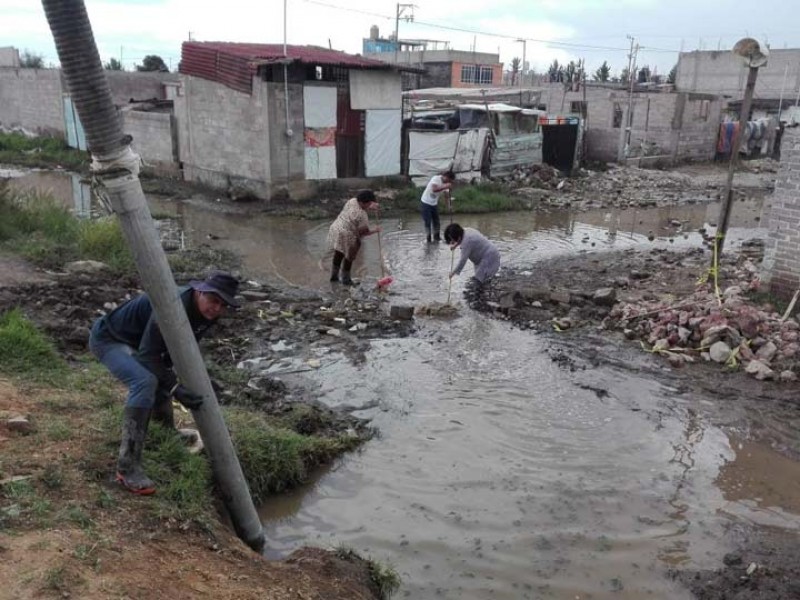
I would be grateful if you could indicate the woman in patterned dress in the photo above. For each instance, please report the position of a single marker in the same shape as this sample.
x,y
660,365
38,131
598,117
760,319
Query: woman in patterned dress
x,y
345,234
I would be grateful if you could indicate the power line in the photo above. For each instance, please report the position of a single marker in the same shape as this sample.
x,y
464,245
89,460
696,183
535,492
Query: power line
x,y
488,33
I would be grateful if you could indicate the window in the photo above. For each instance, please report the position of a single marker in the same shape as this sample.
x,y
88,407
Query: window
x,y
702,110
468,73
578,107
617,115
477,74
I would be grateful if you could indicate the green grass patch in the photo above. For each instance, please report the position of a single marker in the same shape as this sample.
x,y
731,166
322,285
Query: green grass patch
x,y
57,429
18,149
43,230
469,199
275,459
183,480
384,578
25,351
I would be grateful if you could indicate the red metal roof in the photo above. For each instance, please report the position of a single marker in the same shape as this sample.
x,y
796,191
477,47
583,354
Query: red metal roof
x,y
234,64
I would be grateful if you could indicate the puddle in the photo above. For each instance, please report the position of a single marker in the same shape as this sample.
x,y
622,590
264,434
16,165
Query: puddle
x,y
67,187
761,485
499,474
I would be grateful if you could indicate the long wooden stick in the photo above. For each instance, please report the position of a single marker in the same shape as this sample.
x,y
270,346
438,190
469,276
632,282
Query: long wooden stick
x,y
450,274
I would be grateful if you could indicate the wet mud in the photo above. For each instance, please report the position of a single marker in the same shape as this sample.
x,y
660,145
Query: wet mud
x,y
570,302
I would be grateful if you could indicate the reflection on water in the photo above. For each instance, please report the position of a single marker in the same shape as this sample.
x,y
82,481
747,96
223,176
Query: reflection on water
x,y
69,188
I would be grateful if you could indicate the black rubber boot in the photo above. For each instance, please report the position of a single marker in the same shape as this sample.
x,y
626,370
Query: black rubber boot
x,y
428,238
437,237
338,257
162,411
346,266
129,465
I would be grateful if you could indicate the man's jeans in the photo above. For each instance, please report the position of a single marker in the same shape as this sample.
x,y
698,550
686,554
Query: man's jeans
x,y
119,359
430,215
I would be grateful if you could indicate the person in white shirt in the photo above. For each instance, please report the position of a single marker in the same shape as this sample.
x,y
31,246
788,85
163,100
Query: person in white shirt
x,y
430,200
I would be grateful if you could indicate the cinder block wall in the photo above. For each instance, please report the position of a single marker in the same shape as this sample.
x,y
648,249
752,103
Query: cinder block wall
x,y
781,267
152,137
31,99
223,135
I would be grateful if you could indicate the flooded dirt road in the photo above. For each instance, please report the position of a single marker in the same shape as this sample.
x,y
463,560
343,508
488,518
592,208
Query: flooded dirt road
x,y
508,466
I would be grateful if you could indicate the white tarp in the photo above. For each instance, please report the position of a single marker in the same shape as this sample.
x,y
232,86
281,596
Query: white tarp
x,y
319,106
382,140
431,152
321,162
375,90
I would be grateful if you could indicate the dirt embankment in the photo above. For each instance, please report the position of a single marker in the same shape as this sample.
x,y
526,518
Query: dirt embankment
x,y
109,543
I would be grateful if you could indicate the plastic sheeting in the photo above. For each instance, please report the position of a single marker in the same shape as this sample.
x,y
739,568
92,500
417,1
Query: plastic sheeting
x,y
431,152
320,162
319,106
371,90
382,140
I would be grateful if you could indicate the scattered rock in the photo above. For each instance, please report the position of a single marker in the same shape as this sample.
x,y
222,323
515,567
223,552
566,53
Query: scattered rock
x,y
560,296
605,296
767,352
403,313
719,352
759,370
788,376
85,266
254,296
20,425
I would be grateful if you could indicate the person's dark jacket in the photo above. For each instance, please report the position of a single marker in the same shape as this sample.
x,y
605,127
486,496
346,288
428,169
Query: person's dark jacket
x,y
134,323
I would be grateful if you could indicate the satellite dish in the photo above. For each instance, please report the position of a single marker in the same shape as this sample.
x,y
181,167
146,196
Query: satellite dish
x,y
750,51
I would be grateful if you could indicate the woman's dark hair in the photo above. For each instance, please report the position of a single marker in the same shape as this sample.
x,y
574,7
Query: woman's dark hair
x,y
453,233
365,196
450,175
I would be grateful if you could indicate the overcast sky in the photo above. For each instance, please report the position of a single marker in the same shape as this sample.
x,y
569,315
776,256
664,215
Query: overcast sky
x,y
596,30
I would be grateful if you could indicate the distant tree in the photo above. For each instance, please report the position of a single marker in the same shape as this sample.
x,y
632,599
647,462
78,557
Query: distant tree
x,y
152,62
644,75
514,70
573,74
603,73
113,65
555,72
30,60
624,76
673,75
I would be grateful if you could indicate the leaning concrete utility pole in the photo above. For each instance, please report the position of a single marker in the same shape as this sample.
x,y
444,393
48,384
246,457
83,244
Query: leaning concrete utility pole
x,y
115,167
748,49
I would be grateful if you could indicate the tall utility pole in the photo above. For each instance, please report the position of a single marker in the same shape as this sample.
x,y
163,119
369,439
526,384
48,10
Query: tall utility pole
x,y
401,14
631,82
115,170
522,67
749,50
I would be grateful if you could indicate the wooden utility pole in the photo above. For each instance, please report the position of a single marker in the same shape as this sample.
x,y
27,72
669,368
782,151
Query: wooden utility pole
x,y
727,202
115,170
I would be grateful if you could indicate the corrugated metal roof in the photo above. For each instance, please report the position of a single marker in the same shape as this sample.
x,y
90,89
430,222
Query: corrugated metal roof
x,y
234,64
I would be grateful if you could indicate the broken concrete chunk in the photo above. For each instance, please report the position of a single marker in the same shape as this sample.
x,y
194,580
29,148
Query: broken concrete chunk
x,y
403,313
605,296
560,296
759,370
20,425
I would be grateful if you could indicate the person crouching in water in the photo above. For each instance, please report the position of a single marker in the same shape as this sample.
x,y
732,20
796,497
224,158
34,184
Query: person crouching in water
x,y
345,234
429,203
129,343
475,247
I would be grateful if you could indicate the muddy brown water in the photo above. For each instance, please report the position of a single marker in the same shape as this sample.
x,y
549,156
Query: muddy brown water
x,y
498,473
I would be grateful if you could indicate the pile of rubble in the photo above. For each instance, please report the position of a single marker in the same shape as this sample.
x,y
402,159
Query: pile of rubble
x,y
619,187
725,328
